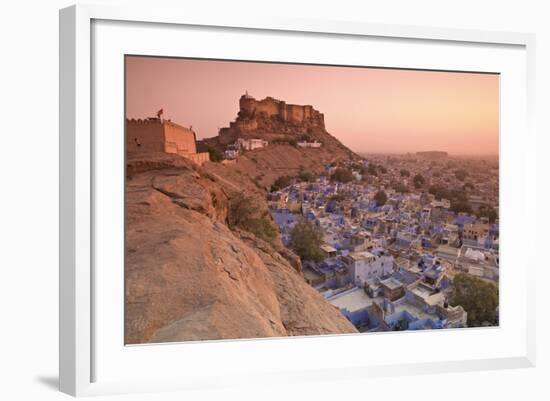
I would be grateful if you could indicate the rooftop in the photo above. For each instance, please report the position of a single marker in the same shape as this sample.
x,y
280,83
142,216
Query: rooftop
x,y
403,305
391,283
361,255
327,248
352,300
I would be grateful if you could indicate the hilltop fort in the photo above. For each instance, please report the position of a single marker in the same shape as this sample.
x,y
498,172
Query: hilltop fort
x,y
272,118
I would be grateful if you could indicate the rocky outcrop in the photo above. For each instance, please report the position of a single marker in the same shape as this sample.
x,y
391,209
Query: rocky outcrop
x,y
283,126
303,310
261,167
273,118
189,277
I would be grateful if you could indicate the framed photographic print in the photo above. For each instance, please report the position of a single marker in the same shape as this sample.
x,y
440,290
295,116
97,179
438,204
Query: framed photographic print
x,y
346,196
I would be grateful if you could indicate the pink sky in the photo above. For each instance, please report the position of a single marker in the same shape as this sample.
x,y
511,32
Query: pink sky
x,y
368,109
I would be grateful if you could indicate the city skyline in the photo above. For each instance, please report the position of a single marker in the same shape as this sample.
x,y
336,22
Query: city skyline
x,y
371,110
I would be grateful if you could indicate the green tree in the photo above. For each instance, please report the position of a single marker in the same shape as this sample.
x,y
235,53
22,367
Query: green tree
x,y
306,240
487,211
342,175
381,198
280,183
402,189
214,153
418,181
243,212
359,167
439,192
468,185
306,176
478,297
371,169
458,206
461,174
337,197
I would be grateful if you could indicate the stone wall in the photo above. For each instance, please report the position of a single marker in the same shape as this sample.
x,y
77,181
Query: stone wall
x,y
178,139
251,108
144,135
198,158
155,135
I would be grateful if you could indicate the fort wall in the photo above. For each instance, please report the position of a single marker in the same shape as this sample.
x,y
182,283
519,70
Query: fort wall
x,y
198,158
178,139
250,108
155,135
144,136
283,118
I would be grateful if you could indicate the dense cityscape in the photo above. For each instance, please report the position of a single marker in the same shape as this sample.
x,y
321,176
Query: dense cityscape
x,y
394,242
265,224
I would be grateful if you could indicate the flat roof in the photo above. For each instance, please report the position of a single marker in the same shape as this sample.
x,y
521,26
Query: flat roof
x,y
413,310
391,283
361,255
328,248
353,300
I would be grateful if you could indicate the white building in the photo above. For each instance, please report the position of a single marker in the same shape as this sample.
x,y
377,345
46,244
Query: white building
x,y
230,154
251,144
365,265
314,144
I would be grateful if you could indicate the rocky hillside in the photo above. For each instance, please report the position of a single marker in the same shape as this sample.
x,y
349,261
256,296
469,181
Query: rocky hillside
x,y
263,166
190,277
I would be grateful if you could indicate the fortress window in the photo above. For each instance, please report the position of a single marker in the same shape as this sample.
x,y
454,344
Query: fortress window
x,y
138,143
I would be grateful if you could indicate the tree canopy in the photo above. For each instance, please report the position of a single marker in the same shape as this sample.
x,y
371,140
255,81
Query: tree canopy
x,y
381,198
243,213
306,176
479,299
342,175
280,183
214,153
418,181
461,174
468,185
458,206
400,188
487,211
306,240
371,169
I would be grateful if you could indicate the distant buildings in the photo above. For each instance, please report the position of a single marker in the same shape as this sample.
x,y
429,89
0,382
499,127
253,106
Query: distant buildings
x,y
434,154
314,144
251,144
230,154
392,266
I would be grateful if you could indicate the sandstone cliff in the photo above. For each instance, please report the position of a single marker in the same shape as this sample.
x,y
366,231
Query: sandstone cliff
x,y
189,277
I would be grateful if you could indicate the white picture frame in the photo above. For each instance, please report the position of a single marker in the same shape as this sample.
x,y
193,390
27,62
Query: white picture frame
x,y
78,156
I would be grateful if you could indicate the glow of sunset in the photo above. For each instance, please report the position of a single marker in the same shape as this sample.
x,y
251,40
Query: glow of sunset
x,y
369,109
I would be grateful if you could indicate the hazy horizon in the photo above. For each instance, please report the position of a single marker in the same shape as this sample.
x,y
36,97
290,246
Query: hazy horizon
x,y
371,110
